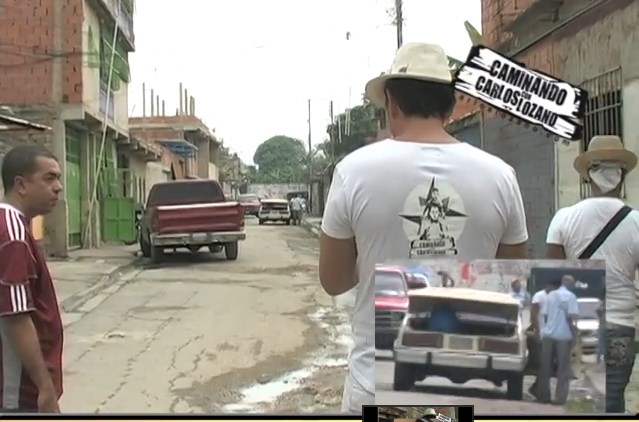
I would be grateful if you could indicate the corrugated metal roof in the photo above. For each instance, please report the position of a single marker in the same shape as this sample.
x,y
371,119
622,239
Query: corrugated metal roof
x,y
8,123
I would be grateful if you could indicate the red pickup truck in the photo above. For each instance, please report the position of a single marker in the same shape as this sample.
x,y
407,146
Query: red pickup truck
x,y
190,214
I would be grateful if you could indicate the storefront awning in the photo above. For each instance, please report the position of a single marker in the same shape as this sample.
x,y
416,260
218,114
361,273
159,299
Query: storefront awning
x,y
180,147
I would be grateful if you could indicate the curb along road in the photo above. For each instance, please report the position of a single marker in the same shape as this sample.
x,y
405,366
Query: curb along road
x,y
119,276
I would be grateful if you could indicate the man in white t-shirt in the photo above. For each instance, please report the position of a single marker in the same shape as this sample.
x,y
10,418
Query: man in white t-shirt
x,y
605,164
422,193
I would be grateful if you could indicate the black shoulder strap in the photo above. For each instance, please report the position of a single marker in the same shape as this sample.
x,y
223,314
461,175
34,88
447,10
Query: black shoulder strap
x,y
605,232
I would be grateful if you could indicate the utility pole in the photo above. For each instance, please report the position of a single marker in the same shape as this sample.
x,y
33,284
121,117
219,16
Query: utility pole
x,y
399,22
332,135
56,222
310,160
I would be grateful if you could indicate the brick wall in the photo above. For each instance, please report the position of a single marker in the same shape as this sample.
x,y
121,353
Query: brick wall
x,y
156,134
27,51
498,13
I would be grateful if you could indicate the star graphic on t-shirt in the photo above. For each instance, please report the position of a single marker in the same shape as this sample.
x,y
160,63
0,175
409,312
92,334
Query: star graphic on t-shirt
x,y
430,199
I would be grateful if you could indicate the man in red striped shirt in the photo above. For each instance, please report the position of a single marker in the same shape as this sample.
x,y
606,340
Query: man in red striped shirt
x,y
30,323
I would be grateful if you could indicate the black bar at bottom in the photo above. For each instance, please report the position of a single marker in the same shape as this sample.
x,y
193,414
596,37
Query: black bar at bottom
x,y
369,413
465,413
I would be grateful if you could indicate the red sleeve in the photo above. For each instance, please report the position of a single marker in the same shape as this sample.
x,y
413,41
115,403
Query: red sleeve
x,y
17,269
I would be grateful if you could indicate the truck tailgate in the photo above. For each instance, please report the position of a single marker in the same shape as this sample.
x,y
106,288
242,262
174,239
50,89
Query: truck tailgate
x,y
199,218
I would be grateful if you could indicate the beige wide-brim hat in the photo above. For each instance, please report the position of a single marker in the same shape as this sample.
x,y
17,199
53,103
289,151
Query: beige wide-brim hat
x,y
605,148
424,62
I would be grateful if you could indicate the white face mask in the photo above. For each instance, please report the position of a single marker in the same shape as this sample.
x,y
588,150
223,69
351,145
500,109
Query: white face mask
x,y
606,176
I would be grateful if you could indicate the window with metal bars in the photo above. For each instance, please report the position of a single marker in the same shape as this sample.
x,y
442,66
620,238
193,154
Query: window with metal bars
x,y
603,113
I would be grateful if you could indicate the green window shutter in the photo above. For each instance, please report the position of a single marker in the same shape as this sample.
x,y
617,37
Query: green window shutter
x,y
94,51
121,69
121,64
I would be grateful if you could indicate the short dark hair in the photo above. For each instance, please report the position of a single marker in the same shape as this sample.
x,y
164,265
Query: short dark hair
x,y
425,99
555,283
21,161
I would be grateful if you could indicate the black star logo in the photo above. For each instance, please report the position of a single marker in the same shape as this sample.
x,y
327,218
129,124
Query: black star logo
x,y
423,202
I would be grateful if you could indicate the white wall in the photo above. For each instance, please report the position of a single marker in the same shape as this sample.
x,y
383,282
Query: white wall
x,y
275,190
213,172
156,173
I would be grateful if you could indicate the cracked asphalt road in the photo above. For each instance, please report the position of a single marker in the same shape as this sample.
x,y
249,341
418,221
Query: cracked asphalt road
x,y
202,334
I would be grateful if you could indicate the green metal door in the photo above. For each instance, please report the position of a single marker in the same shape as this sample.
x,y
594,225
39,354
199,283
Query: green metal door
x,y
118,220
118,207
73,188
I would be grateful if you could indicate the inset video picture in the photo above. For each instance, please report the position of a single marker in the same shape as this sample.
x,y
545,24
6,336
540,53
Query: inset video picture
x,y
508,336
432,413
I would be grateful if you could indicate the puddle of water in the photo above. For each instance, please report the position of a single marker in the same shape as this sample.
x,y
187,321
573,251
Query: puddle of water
x,y
267,392
338,341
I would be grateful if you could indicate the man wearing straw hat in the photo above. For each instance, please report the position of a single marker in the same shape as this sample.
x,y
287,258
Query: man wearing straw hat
x,y
382,204
604,227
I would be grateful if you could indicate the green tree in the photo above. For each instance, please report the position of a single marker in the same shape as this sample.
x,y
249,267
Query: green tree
x,y
350,131
280,159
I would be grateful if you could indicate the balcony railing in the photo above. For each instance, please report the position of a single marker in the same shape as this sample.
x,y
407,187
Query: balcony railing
x,y
107,96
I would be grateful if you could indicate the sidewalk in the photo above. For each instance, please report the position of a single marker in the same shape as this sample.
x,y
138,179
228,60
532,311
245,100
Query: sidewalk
x,y
86,273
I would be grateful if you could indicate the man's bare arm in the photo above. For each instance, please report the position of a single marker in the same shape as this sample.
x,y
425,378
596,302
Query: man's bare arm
x,y
337,264
25,339
555,251
519,251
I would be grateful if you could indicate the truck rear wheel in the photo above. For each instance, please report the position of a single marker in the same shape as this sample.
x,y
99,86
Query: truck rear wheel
x,y
157,254
231,251
145,247
515,388
403,377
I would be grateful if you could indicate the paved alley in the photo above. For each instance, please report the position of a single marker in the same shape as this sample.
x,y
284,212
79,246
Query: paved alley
x,y
203,334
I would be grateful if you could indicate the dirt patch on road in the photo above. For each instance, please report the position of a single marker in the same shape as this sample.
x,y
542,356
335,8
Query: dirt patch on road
x,y
322,393
222,390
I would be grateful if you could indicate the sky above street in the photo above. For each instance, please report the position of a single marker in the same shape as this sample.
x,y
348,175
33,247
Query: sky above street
x,y
252,65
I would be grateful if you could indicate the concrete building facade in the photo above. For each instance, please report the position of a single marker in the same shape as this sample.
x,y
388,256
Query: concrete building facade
x,y
186,136
67,66
587,43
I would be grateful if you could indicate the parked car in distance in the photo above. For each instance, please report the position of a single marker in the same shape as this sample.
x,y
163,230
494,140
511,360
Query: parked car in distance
x,y
391,304
274,210
416,280
486,341
190,214
250,202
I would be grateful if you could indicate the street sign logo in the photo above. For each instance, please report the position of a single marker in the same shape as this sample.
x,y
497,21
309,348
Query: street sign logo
x,y
529,95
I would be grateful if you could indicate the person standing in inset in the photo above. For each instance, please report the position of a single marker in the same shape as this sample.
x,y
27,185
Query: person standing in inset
x,y
519,293
560,331
30,322
604,227
379,193
537,320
